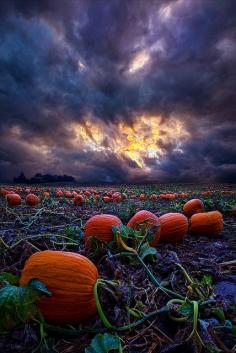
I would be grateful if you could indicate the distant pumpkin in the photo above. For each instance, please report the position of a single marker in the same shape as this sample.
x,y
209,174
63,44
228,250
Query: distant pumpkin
x,y
207,223
146,219
153,197
142,197
100,227
183,195
59,193
13,199
174,226
4,192
116,197
78,200
32,200
68,194
193,206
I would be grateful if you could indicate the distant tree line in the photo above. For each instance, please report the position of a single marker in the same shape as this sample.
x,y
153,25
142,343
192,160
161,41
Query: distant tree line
x,y
43,178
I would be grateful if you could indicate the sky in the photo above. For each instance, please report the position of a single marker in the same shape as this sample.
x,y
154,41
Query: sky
x,y
118,91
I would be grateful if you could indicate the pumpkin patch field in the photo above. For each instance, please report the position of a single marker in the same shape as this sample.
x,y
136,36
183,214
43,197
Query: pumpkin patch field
x,y
118,268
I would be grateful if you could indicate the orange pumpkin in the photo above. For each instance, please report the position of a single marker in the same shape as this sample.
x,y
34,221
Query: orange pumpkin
x,y
138,221
70,277
78,200
207,223
32,200
4,192
193,206
13,199
174,227
59,193
116,197
68,194
100,227
183,195
106,199
153,197
142,197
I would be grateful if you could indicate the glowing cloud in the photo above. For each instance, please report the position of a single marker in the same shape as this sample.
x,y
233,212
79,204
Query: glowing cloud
x,y
81,66
139,61
145,139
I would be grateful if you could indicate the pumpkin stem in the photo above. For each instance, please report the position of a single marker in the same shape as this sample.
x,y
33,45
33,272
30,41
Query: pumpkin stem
x,y
150,274
122,243
99,307
195,322
174,302
126,327
191,282
157,283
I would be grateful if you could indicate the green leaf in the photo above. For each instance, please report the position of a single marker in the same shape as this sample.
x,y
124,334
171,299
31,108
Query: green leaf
x,y
234,330
103,343
186,309
115,229
18,304
219,313
146,250
9,277
73,232
207,280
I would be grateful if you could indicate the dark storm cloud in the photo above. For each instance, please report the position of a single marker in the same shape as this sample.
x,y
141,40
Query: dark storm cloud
x,y
62,60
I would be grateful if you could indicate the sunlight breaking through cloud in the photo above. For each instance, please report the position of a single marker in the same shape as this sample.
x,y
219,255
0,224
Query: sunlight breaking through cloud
x,y
147,138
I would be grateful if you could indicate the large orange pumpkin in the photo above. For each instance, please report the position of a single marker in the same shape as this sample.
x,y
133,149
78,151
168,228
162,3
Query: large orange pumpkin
x,y
174,226
207,223
193,206
100,227
70,277
13,199
138,221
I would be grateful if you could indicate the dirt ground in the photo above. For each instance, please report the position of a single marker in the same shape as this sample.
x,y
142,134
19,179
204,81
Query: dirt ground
x,y
25,230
